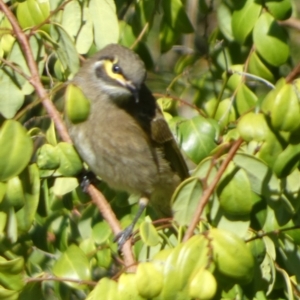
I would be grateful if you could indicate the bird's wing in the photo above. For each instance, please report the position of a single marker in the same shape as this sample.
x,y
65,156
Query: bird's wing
x,y
151,119
161,134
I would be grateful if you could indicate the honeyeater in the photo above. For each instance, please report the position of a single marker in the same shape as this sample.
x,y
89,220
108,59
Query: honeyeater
x,y
125,139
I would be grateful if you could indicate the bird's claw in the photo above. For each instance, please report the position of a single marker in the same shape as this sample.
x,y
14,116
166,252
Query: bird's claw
x,y
123,236
86,179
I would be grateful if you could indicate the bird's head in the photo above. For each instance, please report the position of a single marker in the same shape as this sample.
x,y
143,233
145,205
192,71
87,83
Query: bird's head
x,y
116,71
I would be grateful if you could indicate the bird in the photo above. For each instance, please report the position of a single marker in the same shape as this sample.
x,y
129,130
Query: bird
x,y
125,139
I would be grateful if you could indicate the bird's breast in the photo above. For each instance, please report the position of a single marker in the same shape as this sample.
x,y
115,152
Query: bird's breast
x,y
118,150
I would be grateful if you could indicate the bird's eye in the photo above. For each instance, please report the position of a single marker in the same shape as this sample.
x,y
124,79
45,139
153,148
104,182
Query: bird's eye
x,y
116,69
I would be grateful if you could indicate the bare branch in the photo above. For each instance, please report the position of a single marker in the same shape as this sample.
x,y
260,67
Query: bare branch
x,y
209,191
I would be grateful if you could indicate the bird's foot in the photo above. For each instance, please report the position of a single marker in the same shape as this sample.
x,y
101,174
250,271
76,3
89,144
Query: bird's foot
x,y
87,178
123,236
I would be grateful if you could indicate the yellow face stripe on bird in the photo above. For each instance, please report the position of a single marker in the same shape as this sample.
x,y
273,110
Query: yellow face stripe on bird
x,y
113,70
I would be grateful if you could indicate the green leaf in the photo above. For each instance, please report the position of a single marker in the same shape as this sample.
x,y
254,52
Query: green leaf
x,y
270,149
239,226
77,106
47,157
224,20
176,16
167,36
263,181
149,280
193,256
70,163
233,258
101,232
8,294
7,40
268,272
198,137
16,55
149,234
64,185
290,254
11,273
172,282
280,10
66,52
185,200
244,19
85,36
31,290
235,79
32,13
71,18
282,106
127,289
104,257
104,18
253,126
245,99
287,160
127,36
234,191
11,225
144,12
224,114
16,149
14,193
88,246
31,187
3,187
270,40
11,96
258,68
105,289
73,264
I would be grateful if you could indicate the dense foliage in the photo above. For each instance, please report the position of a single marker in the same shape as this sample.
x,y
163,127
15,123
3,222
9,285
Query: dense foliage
x,y
225,74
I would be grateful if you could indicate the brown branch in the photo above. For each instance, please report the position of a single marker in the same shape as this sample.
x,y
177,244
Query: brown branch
x,y
291,22
209,191
293,74
261,234
110,217
35,81
53,278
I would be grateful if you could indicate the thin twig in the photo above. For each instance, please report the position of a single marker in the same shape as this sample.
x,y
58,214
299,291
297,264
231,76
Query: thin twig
x,y
47,20
15,68
245,74
180,100
293,74
291,22
142,33
53,278
209,191
260,234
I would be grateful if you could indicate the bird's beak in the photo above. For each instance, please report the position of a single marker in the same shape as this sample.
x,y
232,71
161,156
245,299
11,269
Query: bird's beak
x,y
131,87
134,90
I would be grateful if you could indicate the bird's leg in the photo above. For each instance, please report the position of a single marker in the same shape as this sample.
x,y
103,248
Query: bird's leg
x,y
124,235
